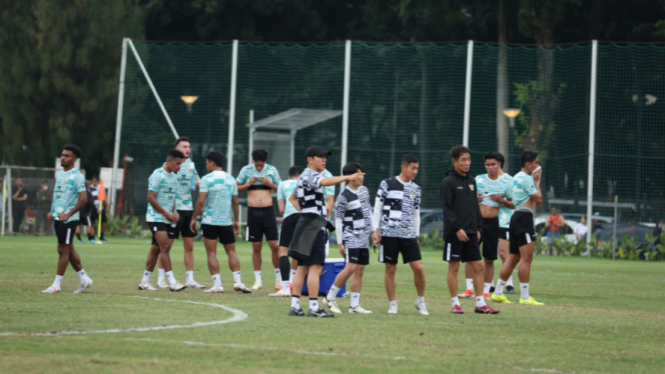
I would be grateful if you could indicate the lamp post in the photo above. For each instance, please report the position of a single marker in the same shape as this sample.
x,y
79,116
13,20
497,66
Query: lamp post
x,y
511,113
189,100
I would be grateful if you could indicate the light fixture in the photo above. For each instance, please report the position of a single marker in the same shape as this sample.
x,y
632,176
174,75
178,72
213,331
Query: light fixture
x,y
512,113
189,100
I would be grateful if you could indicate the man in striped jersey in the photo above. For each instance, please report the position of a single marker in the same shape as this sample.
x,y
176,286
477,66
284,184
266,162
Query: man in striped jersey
x,y
504,223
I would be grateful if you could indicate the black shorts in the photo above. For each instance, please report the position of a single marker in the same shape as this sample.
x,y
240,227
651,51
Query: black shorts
x,y
95,216
490,238
65,231
184,218
318,255
288,226
504,233
159,226
391,247
261,221
358,256
455,250
224,233
86,220
521,230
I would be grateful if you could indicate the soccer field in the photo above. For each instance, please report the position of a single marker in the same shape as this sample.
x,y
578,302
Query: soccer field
x,y
600,317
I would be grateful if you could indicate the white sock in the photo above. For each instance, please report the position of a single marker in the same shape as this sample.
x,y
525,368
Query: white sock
x,y
332,293
421,299
189,276
169,275
160,274
295,302
57,281
216,280
524,289
480,301
455,300
499,287
278,276
492,284
146,276
510,281
486,288
313,305
469,284
82,275
286,285
393,303
257,276
293,274
355,299
236,277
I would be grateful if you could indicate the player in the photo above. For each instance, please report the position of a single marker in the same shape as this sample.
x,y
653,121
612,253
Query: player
x,y
259,179
290,219
162,186
353,221
397,227
85,222
526,195
310,237
462,225
95,213
188,180
218,195
504,223
69,196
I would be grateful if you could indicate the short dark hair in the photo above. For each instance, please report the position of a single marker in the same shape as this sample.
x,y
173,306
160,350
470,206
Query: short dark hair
x,y
216,157
528,156
74,148
174,153
495,156
180,139
352,168
409,159
295,171
94,177
260,155
458,151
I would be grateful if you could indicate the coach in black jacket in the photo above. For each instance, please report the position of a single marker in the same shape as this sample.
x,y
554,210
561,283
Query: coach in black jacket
x,y
462,223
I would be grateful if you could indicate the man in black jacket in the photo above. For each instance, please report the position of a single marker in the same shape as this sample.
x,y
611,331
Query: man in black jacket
x,y
462,223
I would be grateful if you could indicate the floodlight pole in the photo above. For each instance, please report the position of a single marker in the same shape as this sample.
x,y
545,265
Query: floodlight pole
x,y
10,193
232,108
467,93
293,146
592,133
118,124
251,135
345,113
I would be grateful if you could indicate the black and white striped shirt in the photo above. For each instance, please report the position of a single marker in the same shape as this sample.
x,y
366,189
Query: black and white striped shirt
x,y
310,193
354,210
400,201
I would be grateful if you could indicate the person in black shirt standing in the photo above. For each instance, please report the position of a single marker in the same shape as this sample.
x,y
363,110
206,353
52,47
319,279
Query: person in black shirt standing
x,y
462,223
19,204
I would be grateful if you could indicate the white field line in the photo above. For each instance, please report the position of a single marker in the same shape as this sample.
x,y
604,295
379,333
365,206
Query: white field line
x,y
264,348
237,316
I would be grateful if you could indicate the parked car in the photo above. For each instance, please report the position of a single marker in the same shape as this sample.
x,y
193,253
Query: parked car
x,y
567,232
638,231
431,219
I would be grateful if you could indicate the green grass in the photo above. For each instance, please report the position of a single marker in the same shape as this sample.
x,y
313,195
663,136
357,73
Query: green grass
x,y
600,317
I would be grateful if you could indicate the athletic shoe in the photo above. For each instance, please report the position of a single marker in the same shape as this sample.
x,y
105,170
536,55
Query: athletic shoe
x,y
104,240
278,287
468,294
457,309
92,241
146,287
281,293
194,284
161,283
51,289
296,312
257,286
486,309
530,301
320,313
392,309
510,290
213,289
80,241
177,287
492,289
500,299
241,288
332,305
84,285
487,296
422,307
359,310
99,241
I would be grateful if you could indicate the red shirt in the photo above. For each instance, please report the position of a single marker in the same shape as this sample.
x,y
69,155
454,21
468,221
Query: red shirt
x,y
555,223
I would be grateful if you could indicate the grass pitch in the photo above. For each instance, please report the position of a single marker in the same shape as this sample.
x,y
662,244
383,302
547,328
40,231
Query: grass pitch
x,y
600,317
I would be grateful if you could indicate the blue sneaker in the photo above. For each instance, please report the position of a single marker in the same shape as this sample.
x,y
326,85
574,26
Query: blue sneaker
x,y
104,240
80,241
92,241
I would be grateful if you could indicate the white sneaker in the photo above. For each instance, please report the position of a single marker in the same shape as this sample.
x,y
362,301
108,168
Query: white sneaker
x,y
392,309
219,289
360,310
194,284
281,293
257,286
332,305
85,284
241,288
422,307
161,283
146,287
51,289
177,287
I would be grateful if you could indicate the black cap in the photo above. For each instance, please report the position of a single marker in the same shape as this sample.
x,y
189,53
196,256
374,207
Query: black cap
x,y
316,151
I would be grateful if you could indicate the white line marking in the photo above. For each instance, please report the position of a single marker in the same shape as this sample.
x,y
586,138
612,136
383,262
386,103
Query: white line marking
x,y
264,348
534,370
238,316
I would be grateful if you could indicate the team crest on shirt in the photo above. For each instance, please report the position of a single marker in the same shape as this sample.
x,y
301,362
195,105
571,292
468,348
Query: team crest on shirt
x,y
471,187
413,196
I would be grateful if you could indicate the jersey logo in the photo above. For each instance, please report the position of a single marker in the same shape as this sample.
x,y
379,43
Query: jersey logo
x,y
471,187
413,196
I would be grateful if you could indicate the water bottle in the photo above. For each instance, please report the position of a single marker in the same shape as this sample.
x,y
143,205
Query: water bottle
x,y
195,178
